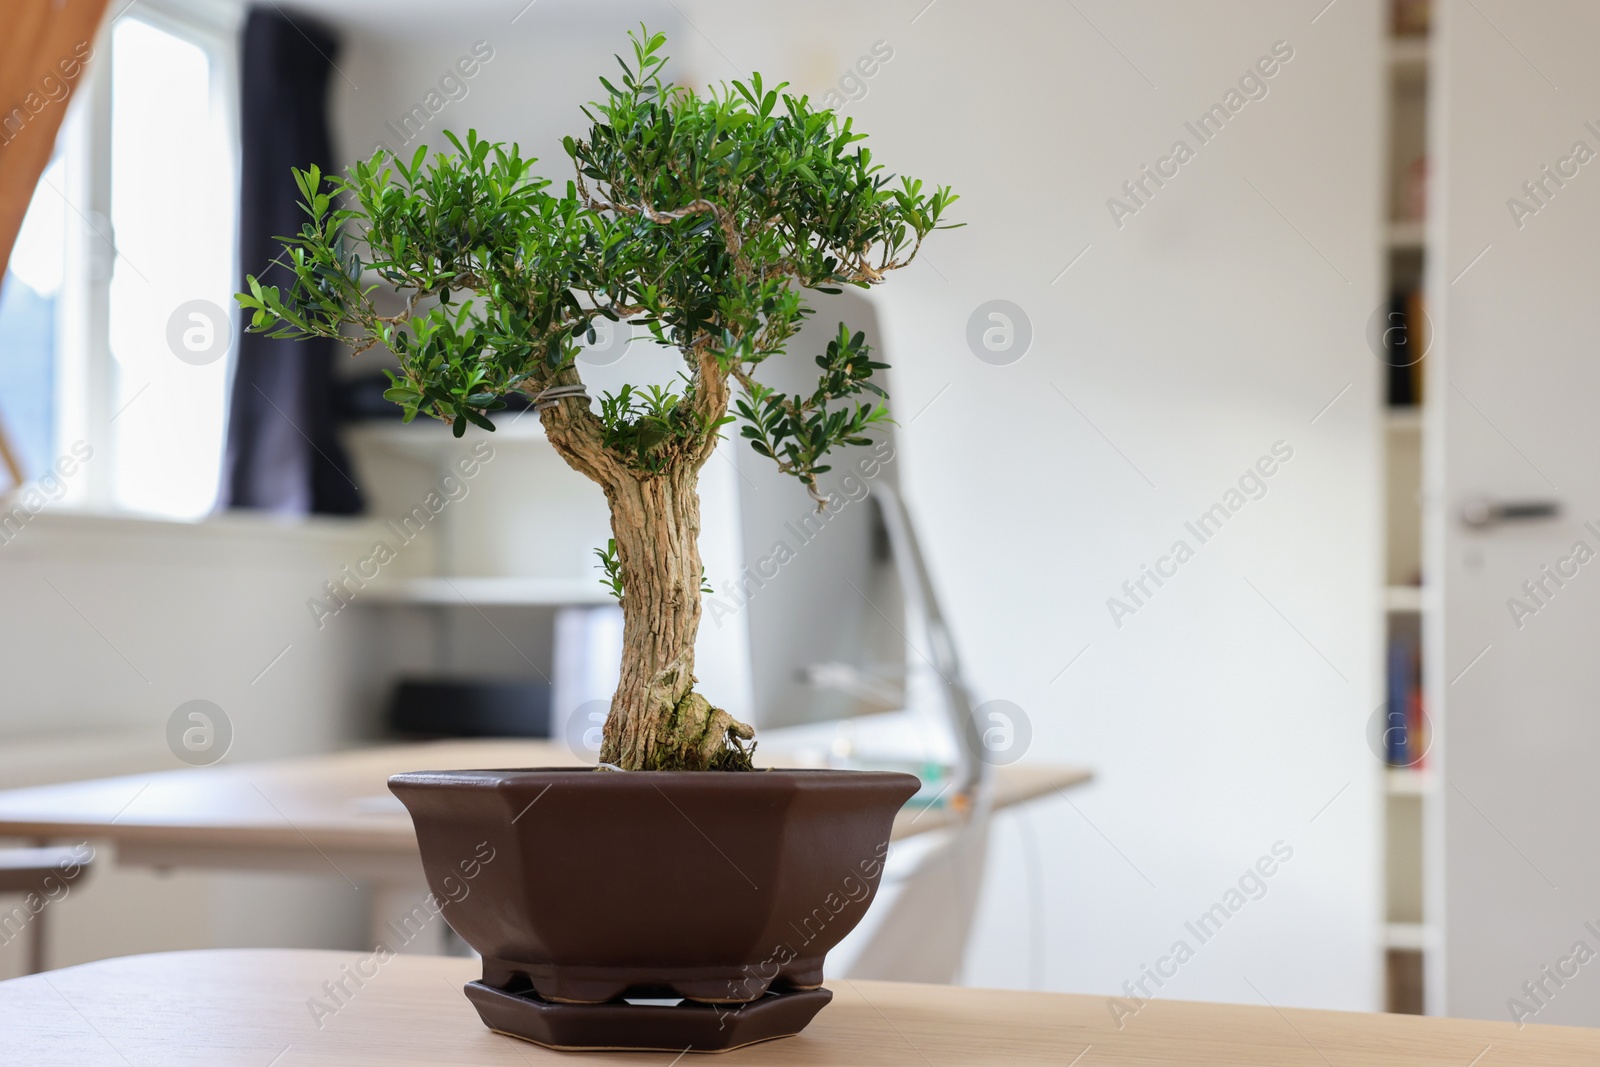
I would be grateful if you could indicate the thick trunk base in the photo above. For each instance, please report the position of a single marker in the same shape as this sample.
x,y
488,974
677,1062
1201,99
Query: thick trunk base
x,y
680,731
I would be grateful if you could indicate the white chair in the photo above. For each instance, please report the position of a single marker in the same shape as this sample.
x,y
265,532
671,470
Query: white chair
x,y
28,872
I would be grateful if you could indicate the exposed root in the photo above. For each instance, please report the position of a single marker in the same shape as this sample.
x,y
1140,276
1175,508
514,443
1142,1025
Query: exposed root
x,y
697,736
676,729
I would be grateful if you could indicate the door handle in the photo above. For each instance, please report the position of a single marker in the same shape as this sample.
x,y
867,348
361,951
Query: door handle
x,y
1481,513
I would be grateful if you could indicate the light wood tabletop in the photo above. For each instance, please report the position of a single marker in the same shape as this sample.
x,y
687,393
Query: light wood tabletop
x,y
337,803
255,1008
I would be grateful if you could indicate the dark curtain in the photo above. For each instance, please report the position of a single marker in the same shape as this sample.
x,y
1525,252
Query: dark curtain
x,y
283,450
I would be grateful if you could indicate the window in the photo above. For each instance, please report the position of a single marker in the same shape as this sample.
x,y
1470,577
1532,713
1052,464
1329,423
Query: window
x,y
28,303
119,295
172,207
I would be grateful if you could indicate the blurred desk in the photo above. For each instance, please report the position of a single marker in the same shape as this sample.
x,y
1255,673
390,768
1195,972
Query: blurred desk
x,y
249,1009
332,814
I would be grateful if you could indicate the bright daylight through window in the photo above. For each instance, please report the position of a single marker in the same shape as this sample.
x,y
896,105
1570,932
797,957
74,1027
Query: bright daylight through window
x,y
113,321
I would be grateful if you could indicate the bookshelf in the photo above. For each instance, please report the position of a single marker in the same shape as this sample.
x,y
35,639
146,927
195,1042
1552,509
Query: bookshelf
x,y
1408,934
491,536
493,571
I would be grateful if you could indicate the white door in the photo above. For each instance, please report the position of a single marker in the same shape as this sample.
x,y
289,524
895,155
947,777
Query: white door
x,y
1516,293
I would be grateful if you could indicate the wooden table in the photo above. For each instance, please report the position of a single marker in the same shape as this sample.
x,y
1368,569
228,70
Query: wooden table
x,y
330,814
251,1008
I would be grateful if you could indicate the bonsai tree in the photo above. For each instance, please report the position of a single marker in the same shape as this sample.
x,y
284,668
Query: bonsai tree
x,y
703,218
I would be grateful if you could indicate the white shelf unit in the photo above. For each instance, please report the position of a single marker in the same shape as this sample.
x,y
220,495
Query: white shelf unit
x,y
492,537
1402,599
425,437
1401,422
1409,53
522,484
1409,782
490,591
1407,935
1406,236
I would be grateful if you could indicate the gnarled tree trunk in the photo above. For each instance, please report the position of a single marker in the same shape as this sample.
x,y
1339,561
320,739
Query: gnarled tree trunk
x,y
657,720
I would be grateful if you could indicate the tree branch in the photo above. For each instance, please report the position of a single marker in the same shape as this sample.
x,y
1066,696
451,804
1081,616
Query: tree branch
x,y
725,221
576,432
710,397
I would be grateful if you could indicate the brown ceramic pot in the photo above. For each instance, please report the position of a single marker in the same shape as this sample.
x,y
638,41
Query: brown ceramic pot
x,y
587,886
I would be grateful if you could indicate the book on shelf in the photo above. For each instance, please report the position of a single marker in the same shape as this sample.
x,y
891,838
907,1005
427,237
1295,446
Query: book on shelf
x,y
1405,733
1410,18
1406,342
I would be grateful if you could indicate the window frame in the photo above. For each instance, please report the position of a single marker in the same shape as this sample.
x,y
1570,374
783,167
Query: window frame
x,y
86,372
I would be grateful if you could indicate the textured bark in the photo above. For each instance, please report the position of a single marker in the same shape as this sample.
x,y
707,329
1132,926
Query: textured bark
x,y
657,721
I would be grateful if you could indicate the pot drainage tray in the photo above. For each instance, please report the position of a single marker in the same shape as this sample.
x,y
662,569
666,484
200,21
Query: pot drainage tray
x,y
619,1025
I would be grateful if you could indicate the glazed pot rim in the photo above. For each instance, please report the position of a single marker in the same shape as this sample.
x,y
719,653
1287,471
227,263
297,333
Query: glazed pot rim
x,y
593,774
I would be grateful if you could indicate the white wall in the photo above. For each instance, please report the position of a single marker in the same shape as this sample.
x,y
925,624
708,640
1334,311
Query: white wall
x,y
1190,340
110,625
1222,318
541,69
115,622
